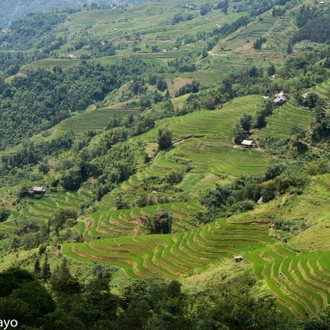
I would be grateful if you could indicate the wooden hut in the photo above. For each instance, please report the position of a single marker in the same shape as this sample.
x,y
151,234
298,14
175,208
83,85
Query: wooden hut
x,y
247,144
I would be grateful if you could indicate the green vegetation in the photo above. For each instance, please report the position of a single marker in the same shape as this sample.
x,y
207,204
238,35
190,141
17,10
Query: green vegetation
x,y
124,185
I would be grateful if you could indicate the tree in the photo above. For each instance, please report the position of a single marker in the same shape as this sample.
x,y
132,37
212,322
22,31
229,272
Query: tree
x,y
72,179
225,7
164,138
102,271
45,270
24,192
62,215
242,129
177,18
99,304
260,120
312,99
246,121
271,70
142,200
63,283
268,190
204,9
159,223
23,298
204,53
4,215
258,43
273,170
174,289
298,132
120,203
161,84
37,268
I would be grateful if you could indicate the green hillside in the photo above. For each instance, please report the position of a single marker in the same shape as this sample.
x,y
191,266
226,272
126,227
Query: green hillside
x,y
15,9
124,175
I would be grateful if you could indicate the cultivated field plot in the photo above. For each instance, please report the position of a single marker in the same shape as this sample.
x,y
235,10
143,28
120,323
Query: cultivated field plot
x,y
220,159
173,255
213,124
91,120
47,206
284,118
204,139
50,63
322,89
300,282
290,114
115,223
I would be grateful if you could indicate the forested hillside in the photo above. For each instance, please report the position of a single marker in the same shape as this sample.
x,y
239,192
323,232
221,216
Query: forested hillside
x,y
13,9
165,165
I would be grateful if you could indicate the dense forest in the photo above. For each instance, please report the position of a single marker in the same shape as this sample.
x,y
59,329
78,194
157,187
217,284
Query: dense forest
x,y
42,98
141,305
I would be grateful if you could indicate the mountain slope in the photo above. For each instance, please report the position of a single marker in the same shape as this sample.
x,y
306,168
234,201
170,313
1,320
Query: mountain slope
x,y
13,9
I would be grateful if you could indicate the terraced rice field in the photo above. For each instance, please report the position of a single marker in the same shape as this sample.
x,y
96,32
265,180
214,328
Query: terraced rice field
x,y
50,63
216,125
46,206
289,114
284,118
219,159
204,139
114,223
322,89
300,282
171,256
43,208
91,120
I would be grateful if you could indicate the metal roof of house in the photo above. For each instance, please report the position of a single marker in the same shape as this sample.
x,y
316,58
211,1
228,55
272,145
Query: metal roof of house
x,y
247,142
39,189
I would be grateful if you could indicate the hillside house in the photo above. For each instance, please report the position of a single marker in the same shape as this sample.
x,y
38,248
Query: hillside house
x,y
238,258
247,144
38,190
280,98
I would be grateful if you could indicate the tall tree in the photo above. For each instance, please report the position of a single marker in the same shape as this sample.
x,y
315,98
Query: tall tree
x,y
164,138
